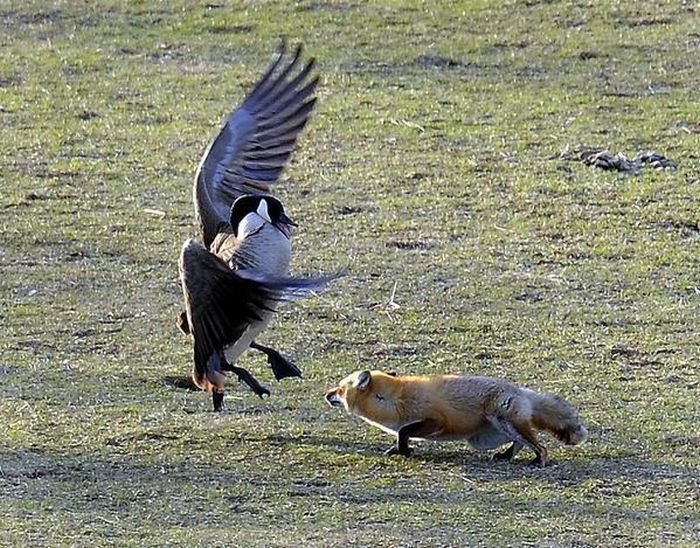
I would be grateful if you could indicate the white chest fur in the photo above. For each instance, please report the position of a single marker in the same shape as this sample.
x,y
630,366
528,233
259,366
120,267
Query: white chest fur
x,y
389,429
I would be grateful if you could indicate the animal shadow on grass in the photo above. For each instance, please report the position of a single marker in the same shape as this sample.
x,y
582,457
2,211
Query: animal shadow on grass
x,y
422,452
181,382
337,445
476,469
476,465
30,474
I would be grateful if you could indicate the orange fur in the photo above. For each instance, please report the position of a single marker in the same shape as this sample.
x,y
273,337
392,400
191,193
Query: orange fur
x,y
485,411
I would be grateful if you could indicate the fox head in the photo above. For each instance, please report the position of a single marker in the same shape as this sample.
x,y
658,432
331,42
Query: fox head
x,y
371,395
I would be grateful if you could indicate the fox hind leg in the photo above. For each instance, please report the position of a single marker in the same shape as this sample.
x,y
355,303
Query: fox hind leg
x,y
510,453
520,431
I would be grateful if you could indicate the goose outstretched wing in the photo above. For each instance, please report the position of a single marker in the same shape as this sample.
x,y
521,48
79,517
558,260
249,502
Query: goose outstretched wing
x,y
221,303
256,141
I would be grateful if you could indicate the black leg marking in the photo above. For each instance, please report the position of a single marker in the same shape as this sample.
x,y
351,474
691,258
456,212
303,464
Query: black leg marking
x,y
538,462
523,435
511,431
541,462
510,453
281,367
402,437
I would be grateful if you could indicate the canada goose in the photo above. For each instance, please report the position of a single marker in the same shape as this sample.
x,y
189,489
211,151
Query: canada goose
x,y
233,281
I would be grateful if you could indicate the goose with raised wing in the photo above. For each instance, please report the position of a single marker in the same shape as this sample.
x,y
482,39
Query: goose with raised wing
x,y
234,279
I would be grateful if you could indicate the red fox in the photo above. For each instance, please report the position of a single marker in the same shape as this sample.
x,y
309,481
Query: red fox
x,y
485,411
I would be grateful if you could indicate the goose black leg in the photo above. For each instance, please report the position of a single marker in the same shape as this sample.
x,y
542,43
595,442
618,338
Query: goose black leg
x,y
281,367
218,400
244,376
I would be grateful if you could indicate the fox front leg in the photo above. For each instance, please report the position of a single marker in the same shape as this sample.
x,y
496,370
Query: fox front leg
x,y
403,435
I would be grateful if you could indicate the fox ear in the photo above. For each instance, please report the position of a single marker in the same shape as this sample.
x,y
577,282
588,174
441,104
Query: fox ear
x,y
362,380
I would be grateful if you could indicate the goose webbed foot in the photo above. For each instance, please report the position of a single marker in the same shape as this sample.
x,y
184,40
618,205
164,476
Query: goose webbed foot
x,y
281,366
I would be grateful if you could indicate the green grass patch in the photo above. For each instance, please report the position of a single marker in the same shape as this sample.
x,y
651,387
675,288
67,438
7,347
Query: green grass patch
x,y
432,169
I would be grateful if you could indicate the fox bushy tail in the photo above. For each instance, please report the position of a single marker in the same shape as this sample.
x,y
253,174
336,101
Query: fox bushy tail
x,y
552,413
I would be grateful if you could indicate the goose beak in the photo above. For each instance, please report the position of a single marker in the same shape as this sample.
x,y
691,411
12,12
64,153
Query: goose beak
x,y
284,223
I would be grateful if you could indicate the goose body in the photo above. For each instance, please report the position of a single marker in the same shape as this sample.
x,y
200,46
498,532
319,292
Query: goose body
x,y
234,279
245,253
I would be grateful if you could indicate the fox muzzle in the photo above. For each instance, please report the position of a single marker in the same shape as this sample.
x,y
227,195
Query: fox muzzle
x,y
333,399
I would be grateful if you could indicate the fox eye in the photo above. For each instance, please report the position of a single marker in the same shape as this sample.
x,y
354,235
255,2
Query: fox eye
x,y
380,397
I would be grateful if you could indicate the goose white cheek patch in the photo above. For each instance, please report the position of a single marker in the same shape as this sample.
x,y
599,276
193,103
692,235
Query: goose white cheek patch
x,y
249,224
262,211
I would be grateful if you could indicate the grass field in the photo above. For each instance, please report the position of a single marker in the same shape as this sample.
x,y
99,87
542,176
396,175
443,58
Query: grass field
x,y
433,169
